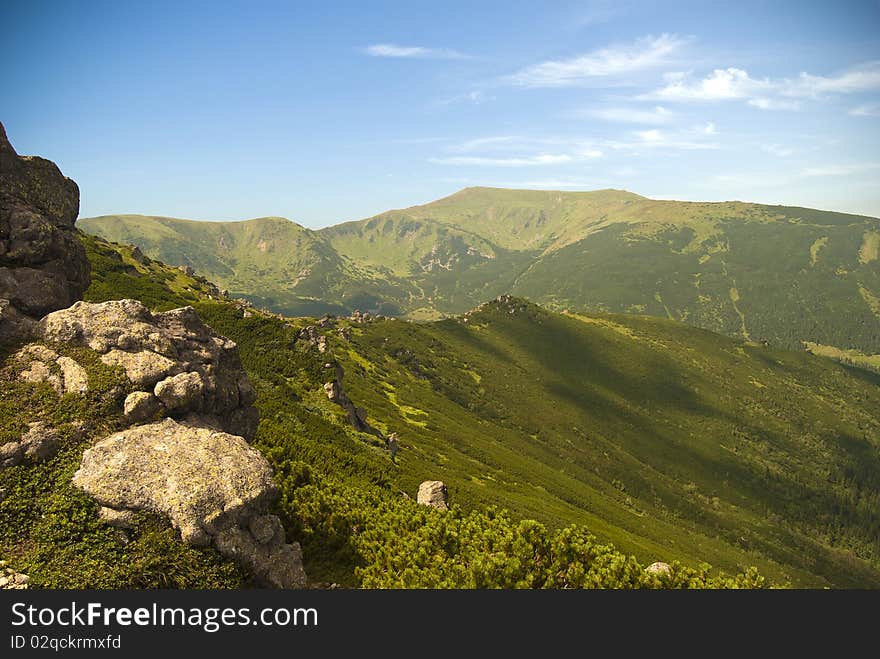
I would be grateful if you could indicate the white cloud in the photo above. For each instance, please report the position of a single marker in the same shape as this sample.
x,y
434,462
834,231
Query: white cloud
x,y
496,142
652,136
763,103
659,115
475,97
865,77
763,93
527,161
647,52
721,84
841,169
866,111
779,150
655,138
414,52
518,151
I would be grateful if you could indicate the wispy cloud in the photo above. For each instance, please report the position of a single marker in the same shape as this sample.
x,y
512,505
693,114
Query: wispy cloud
x,y
779,150
773,104
509,142
656,116
721,84
866,111
764,93
475,97
518,151
413,52
528,161
841,169
656,139
645,53
865,77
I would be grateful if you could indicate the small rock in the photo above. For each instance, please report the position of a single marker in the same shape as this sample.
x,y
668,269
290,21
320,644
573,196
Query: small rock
x,y
659,568
39,372
74,376
264,527
433,493
180,390
119,519
144,368
333,391
140,406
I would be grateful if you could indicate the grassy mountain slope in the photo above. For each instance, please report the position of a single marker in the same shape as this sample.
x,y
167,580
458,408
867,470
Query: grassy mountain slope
x,y
766,273
272,261
673,443
659,437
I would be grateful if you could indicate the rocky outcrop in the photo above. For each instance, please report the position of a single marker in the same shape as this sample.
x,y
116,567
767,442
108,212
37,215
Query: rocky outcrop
x,y
433,493
310,335
13,323
173,356
357,416
212,485
38,443
360,317
195,467
12,580
43,265
42,364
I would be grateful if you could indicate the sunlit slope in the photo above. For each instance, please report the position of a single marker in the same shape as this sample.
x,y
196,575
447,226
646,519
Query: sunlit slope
x,y
273,261
665,439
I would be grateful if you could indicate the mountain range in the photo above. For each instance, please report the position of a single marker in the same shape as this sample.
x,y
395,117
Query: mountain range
x,y
793,277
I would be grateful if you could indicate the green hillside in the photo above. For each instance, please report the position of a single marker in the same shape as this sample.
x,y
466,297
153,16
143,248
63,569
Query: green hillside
x,y
670,442
763,273
658,437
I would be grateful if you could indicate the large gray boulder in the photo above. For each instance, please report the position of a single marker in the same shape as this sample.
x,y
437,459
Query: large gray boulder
x,y
43,265
212,485
189,368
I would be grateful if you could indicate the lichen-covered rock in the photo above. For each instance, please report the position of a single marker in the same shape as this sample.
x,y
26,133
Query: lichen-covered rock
x,y
144,368
43,265
38,371
173,354
140,406
180,391
37,444
12,580
120,519
73,376
279,566
202,479
43,364
213,487
433,493
659,569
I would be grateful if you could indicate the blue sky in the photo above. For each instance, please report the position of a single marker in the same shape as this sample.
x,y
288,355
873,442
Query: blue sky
x,y
325,112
